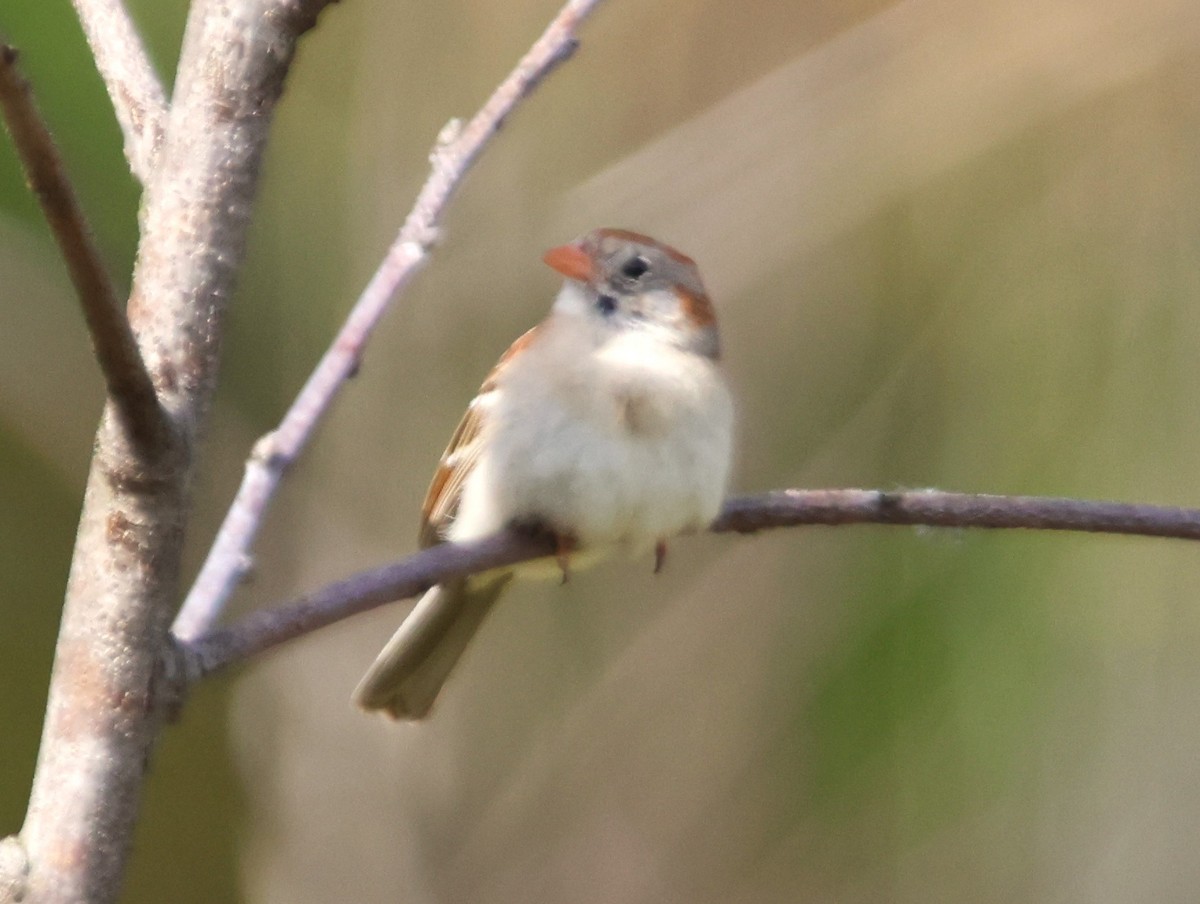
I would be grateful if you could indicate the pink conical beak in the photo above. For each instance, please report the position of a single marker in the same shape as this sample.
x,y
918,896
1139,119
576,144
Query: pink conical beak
x,y
571,261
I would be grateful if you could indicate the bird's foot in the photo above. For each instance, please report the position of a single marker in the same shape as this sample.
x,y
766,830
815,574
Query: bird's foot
x,y
564,544
660,555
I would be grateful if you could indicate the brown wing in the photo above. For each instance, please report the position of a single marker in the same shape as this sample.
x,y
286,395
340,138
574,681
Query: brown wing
x,y
461,455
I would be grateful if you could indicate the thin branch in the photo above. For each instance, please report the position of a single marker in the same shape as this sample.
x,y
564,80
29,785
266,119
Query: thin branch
x,y
264,629
457,149
936,508
129,386
133,85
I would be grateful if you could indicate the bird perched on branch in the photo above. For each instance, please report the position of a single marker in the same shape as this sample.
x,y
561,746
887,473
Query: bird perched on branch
x,y
609,424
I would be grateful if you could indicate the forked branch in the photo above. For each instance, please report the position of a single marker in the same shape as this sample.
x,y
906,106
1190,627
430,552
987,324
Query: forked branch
x,y
133,86
457,149
104,708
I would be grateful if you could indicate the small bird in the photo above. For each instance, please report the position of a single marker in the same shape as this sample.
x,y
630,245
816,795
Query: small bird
x,y
609,425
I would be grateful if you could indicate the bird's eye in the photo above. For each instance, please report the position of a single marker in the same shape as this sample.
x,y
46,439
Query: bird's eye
x,y
635,267
606,304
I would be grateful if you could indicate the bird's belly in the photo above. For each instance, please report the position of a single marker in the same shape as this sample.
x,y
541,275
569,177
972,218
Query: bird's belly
x,y
605,483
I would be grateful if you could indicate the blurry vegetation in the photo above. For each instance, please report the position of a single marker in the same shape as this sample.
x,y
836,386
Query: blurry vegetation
x,y
952,244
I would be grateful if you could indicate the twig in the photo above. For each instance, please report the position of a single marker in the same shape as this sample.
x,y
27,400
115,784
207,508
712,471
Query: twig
x,y
133,86
129,386
268,628
457,149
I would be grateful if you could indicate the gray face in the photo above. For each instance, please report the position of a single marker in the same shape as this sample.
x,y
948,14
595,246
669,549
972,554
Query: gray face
x,y
640,284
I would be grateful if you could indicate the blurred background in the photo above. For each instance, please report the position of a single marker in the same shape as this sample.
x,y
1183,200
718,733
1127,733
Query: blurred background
x,y
954,243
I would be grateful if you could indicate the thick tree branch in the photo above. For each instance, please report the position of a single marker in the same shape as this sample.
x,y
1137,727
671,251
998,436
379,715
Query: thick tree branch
x,y
262,630
106,704
134,87
129,388
457,149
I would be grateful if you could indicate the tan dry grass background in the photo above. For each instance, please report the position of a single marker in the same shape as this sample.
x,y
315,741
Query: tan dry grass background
x,y
954,244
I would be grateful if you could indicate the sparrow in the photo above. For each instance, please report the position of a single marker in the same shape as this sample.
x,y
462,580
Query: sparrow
x,y
609,425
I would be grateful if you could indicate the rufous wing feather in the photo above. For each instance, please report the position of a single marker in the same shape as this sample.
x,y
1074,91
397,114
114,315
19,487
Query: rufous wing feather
x,y
408,674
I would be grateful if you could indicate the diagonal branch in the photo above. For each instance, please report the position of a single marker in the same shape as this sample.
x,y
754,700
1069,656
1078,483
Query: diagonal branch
x,y
129,386
457,149
265,629
133,86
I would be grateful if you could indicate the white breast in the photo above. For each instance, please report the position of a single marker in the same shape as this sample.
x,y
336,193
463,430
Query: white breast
x,y
622,444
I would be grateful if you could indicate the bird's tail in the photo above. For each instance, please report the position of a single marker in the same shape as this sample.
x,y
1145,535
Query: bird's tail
x,y
407,675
